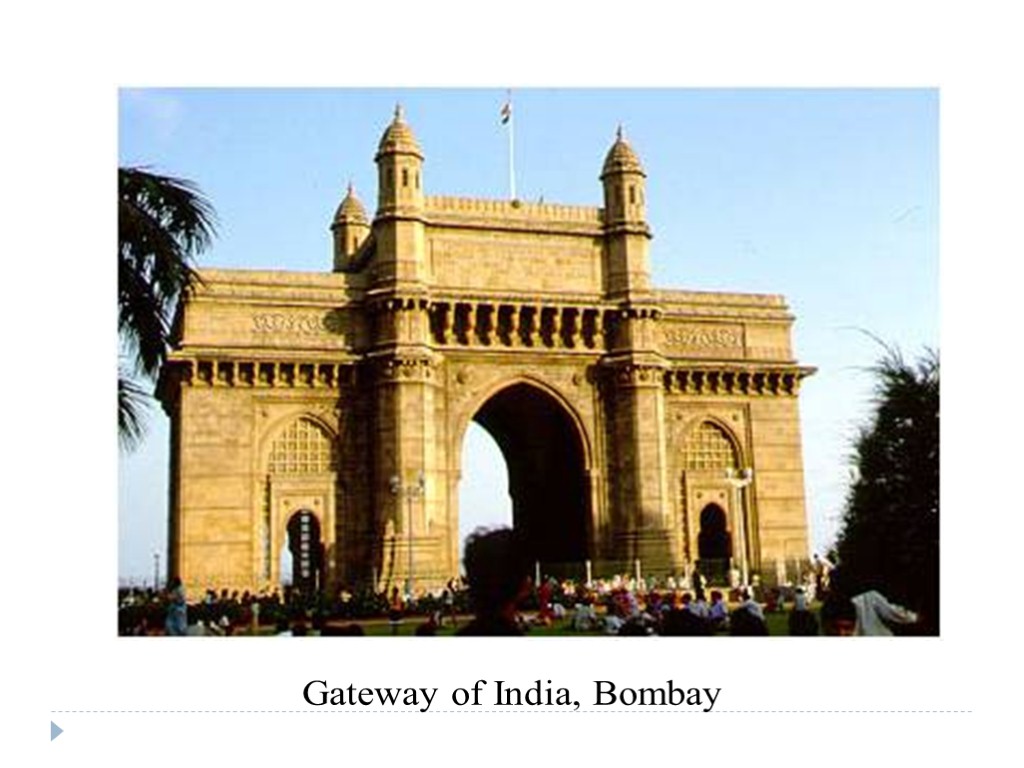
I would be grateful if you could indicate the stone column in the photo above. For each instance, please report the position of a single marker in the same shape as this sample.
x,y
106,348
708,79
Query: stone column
x,y
407,448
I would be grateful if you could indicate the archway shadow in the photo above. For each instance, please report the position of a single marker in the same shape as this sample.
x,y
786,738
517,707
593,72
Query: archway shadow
x,y
544,454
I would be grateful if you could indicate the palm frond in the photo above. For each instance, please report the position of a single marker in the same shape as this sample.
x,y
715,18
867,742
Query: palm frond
x,y
164,223
132,403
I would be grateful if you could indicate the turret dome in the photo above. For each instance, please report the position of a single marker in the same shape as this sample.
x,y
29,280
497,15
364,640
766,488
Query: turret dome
x,y
351,210
621,158
398,138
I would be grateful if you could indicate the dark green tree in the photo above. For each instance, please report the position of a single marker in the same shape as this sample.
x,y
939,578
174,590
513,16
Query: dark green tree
x,y
890,535
163,224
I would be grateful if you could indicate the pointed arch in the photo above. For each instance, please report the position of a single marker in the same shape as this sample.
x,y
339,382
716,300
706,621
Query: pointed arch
x,y
547,454
474,406
302,445
711,445
298,473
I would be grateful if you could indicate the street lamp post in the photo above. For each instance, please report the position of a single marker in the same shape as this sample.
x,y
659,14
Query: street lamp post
x,y
410,492
740,479
156,570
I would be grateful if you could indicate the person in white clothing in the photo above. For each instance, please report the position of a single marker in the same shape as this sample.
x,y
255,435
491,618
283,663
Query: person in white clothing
x,y
875,614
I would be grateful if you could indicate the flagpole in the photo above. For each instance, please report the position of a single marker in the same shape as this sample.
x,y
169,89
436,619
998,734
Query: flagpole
x,y
511,148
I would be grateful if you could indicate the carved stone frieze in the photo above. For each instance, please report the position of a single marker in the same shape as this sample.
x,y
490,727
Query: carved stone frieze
x,y
298,323
702,338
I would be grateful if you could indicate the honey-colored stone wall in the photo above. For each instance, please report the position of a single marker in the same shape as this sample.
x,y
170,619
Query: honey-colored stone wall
x,y
216,517
470,260
781,517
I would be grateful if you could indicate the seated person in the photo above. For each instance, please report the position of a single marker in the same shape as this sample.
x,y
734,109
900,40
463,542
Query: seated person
x,y
584,617
718,612
685,622
744,622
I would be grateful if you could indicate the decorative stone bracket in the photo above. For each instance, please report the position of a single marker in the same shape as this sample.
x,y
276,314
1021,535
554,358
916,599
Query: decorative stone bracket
x,y
708,380
406,368
259,373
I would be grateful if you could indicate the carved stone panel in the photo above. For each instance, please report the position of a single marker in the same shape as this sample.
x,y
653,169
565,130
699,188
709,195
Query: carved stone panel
x,y
702,340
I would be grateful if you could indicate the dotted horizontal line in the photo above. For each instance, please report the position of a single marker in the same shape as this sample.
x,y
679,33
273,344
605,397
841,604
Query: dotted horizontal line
x,y
512,712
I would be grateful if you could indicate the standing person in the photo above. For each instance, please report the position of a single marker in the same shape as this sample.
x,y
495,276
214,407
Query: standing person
x,y
395,610
822,569
177,608
699,582
801,620
449,602
734,577
544,595
498,573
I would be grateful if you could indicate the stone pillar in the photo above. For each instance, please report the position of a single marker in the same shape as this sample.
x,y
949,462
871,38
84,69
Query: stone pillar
x,y
643,517
406,450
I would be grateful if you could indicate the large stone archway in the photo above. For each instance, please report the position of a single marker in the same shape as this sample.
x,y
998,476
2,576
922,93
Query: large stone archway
x,y
544,452
536,319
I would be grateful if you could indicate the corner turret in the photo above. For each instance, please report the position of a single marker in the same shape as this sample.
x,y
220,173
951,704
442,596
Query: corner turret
x,y
399,227
626,231
623,179
350,229
399,168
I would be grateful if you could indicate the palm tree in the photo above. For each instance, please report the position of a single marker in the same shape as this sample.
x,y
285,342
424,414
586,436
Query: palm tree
x,y
890,535
163,224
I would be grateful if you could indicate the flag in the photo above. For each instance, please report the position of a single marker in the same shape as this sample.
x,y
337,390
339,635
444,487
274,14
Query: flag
x,y
506,112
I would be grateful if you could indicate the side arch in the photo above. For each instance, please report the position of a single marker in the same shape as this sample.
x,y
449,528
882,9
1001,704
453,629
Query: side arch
x,y
690,440
278,427
709,446
298,471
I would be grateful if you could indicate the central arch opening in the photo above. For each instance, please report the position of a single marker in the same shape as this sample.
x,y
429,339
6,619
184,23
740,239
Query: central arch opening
x,y
484,500
544,457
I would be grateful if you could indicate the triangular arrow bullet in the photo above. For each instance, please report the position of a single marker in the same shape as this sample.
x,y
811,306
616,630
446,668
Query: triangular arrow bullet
x,y
55,730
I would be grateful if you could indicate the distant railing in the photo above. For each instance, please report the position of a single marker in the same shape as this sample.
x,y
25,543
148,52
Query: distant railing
x,y
718,572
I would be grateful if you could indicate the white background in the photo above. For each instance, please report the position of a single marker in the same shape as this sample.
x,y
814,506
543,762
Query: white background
x,y
62,65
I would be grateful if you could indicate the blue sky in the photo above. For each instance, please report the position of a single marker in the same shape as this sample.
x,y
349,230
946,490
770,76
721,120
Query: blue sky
x,y
829,197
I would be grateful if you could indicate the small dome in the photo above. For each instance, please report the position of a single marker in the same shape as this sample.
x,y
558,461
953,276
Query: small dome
x,y
621,158
398,138
351,211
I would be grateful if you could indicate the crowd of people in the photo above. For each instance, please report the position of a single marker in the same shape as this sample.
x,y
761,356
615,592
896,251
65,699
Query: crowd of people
x,y
148,611
503,600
